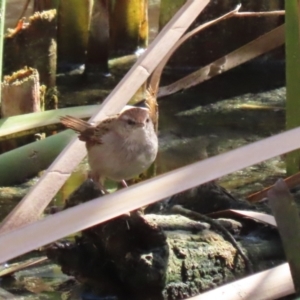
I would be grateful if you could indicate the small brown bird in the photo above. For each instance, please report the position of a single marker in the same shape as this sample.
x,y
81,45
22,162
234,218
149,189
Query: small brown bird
x,y
120,147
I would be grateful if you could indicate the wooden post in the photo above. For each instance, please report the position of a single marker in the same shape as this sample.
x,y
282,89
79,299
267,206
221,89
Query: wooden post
x,y
73,22
98,42
33,45
128,26
292,46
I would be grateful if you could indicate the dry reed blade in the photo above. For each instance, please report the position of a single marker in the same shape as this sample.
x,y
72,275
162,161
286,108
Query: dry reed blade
x,y
291,182
259,46
155,77
244,14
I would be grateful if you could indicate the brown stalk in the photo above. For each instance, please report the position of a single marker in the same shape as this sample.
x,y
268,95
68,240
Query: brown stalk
x,y
259,46
260,13
178,209
18,266
155,77
232,213
34,203
290,182
24,9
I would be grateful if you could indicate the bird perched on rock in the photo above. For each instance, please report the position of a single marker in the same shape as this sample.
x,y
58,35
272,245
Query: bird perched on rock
x,y
120,147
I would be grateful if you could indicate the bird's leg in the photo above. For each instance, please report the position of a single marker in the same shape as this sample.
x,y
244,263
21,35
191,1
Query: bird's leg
x,y
102,188
124,184
99,182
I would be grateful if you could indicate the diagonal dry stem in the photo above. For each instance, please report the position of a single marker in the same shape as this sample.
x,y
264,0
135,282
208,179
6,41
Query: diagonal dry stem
x,y
155,77
259,46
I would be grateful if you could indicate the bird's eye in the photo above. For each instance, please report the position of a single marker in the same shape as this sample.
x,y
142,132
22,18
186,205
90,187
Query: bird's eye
x,y
147,120
130,122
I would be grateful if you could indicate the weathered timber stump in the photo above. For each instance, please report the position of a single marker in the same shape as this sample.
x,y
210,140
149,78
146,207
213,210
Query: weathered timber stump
x,y
157,256
20,95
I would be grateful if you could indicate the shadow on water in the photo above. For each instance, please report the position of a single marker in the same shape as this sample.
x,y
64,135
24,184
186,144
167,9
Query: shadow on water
x,y
238,107
259,75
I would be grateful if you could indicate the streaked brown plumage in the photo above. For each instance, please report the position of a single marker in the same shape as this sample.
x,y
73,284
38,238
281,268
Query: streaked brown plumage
x,y
119,148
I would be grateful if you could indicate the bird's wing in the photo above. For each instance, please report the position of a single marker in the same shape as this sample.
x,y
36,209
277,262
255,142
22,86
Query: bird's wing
x,y
87,132
76,124
85,129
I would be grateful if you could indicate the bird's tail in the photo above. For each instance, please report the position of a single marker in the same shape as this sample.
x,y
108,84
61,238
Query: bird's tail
x,y
76,124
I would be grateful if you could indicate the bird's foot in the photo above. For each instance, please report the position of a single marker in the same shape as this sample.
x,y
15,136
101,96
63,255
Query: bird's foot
x,y
124,184
98,182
